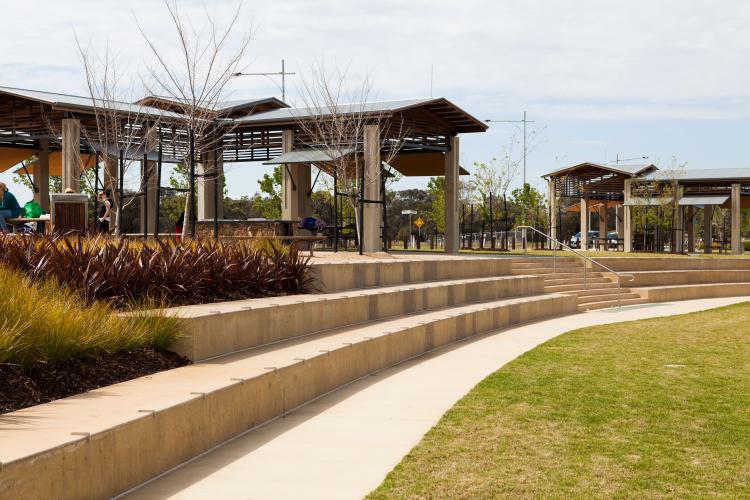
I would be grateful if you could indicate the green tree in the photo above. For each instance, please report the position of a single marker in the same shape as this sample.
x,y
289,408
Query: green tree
x,y
270,186
530,205
436,212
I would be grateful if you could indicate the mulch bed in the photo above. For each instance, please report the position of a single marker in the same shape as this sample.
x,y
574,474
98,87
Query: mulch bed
x,y
19,389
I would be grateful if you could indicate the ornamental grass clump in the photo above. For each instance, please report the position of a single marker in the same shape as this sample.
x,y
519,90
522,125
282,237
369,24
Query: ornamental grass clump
x,y
123,272
42,322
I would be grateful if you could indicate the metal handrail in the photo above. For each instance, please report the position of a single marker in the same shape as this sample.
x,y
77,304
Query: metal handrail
x,y
557,243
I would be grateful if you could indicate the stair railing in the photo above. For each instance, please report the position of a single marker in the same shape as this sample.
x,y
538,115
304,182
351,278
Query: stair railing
x,y
556,243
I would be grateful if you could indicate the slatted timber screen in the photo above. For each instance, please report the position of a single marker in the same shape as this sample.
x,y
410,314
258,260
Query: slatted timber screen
x,y
69,216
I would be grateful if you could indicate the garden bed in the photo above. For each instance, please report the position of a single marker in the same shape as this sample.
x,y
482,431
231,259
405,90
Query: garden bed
x,y
23,388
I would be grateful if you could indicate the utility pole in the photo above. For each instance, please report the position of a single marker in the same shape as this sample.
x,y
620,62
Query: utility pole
x,y
283,73
524,121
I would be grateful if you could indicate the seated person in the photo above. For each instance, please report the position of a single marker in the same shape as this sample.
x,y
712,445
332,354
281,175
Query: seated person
x,y
9,207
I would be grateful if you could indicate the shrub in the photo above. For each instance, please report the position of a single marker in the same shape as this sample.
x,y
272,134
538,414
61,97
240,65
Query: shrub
x,y
124,272
42,322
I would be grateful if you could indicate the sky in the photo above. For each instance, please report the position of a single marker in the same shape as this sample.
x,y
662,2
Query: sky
x,y
600,79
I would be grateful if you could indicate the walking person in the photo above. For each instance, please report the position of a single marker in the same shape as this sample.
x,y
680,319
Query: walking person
x,y
9,207
104,214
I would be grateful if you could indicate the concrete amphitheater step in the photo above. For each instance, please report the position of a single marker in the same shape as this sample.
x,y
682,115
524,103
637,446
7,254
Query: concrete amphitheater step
x,y
603,289
548,271
545,265
590,306
578,287
349,275
693,291
625,295
590,280
104,442
218,329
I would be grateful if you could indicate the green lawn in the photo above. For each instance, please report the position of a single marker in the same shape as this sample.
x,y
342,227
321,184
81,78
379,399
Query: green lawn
x,y
651,408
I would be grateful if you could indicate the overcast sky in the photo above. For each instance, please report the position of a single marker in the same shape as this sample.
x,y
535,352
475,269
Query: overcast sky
x,y
600,78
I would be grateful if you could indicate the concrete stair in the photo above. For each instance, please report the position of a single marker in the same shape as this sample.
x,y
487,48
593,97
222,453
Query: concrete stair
x,y
593,290
256,360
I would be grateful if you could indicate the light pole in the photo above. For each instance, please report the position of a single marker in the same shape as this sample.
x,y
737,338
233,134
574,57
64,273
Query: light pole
x,y
618,160
409,213
281,73
524,121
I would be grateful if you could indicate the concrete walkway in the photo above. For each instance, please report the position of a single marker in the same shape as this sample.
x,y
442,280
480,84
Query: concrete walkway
x,y
343,445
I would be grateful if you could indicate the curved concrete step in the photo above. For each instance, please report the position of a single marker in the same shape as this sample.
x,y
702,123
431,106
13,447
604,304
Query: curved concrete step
x,y
560,271
625,295
104,442
221,328
578,287
590,280
351,275
695,291
610,303
610,289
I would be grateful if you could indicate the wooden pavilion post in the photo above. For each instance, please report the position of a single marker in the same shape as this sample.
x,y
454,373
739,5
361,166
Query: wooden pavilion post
x,y
584,222
627,219
71,154
737,246
603,225
372,211
451,197
708,212
552,195
41,175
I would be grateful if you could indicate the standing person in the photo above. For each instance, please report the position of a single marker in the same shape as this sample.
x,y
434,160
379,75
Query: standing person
x,y
9,207
105,211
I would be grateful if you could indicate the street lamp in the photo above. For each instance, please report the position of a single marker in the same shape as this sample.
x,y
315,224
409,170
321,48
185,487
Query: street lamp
x,y
281,73
409,213
524,121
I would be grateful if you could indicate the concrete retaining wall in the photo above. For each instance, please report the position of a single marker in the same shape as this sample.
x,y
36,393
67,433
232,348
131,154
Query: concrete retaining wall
x,y
123,456
337,276
670,264
216,329
690,292
686,277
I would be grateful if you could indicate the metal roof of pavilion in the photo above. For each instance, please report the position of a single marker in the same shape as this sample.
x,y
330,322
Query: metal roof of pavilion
x,y
703,174
629,170
221,107
463,121
702,200
74,102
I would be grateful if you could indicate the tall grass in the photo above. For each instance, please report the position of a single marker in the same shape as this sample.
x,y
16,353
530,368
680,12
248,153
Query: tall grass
x,y
43,322
124,272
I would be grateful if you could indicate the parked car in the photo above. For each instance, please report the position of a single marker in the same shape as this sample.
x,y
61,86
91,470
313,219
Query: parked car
x,y
575,240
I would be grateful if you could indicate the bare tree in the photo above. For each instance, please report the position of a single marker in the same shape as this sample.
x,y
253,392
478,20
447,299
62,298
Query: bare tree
x,y
120,134
195,81
332,121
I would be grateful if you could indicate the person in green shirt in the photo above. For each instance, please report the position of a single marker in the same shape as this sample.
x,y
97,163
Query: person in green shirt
x,y
9,207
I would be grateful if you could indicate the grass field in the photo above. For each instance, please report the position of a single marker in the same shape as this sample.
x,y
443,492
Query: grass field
x,y
651,408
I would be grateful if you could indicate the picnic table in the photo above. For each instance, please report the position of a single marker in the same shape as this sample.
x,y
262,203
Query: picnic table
x,y
41,223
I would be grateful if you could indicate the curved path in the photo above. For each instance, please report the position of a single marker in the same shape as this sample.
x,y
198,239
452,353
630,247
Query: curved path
x,y
343,444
